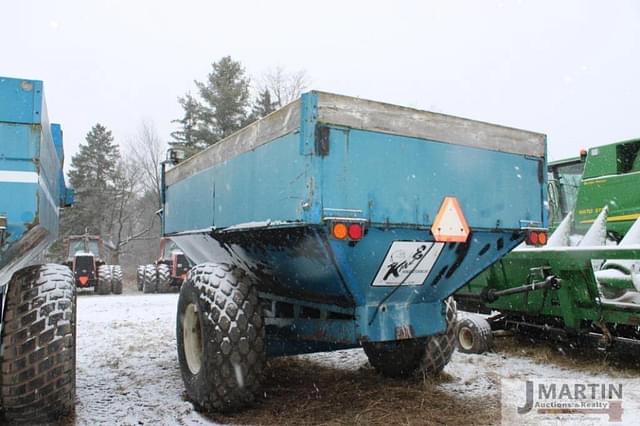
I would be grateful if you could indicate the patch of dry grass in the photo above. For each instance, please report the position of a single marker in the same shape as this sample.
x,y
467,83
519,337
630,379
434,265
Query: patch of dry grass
x,y
301,392
583,358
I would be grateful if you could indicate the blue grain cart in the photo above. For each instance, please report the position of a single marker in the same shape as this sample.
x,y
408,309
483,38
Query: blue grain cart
x,y
37,300
338,222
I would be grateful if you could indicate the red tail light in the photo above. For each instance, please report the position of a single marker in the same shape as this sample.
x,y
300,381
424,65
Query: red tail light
x,y
355,231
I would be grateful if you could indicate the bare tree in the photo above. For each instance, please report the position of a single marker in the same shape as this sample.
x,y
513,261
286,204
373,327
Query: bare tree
x,y
137,191
125,220
284,86
148,151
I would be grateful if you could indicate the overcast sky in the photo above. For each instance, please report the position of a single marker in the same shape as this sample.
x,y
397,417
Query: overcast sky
x,y
569,69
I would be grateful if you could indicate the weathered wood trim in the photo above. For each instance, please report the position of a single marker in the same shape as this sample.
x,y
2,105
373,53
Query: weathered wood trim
x,y
363,114
277,124
366,115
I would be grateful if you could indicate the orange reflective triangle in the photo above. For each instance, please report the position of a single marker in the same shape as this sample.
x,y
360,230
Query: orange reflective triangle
x,y
450,225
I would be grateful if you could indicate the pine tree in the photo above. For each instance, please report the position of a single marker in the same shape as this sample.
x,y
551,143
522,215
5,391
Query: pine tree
x,y
226,99
92,175
220,111
263,106
189,135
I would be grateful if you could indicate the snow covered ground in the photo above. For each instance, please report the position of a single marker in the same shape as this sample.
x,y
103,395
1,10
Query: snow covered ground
x,y
128,370
127,367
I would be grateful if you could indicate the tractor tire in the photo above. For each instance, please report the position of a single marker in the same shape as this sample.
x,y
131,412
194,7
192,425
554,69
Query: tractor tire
x,y
416,357
37,378
116,279
140,277
164,278
473,335
150,279
103,285
220,338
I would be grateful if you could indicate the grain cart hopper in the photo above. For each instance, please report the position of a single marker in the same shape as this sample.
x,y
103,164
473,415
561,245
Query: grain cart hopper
x,y
338,222
585,285
167,273
37,301
90,258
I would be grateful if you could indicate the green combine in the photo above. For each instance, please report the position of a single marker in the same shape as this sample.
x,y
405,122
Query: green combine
x,y
584,285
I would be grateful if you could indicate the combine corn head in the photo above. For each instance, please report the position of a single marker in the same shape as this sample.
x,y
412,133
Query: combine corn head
x,y
585,288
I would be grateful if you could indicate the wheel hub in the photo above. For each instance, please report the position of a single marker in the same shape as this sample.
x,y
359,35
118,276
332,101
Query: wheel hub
x,y
465,338
192,336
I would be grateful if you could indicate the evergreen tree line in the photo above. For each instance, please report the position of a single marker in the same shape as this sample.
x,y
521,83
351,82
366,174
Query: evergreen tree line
x,y
112,197
223,105
117,194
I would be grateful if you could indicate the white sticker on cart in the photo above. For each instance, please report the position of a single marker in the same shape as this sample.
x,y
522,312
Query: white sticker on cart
x,y
408,263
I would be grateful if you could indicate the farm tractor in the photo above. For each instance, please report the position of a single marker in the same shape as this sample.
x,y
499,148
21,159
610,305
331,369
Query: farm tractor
x,y
88,257
583,286
167,273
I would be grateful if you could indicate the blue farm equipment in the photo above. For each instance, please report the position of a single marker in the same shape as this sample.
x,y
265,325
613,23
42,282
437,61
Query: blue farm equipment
x,y
37,300
338,222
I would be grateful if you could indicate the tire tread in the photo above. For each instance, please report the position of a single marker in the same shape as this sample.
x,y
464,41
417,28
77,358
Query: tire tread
x,y
37,380
236,329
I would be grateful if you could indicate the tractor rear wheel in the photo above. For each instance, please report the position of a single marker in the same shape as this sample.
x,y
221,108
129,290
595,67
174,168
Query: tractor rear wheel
x,y
150,279
416,357
140,276
164,278
116,279
221,337
37,378
103,285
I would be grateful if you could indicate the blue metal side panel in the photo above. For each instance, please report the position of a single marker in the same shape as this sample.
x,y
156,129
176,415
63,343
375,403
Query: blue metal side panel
x,y
401,180
30,166
56,134
20,207
189,203
298,259
18,145
266,184
308,264
21,101
50,168
360,263
30,189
